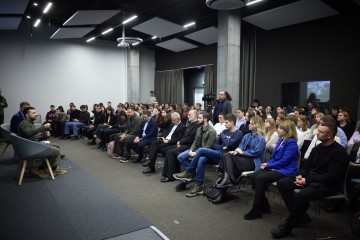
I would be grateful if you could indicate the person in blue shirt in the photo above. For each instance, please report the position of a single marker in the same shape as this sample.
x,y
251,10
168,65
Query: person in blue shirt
x,y
228,140
246,157
284,163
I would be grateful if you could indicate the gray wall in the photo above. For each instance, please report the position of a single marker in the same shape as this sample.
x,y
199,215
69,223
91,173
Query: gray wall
x,y
44,72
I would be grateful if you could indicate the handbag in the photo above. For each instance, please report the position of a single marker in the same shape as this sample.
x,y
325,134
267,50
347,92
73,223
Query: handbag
x,y
211,192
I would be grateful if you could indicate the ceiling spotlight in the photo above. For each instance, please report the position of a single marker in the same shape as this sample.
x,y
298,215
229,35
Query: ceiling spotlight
x,y
90,39
105,32
37,23
35,4
28,17
154,37
189,24
129,19
48,6
252,2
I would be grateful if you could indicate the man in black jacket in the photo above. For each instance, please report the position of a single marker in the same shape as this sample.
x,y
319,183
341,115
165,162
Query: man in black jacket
x,y
171,164
323,175
163,144
99,118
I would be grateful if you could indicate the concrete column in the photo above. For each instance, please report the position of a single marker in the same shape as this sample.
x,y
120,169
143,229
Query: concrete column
x,y
228,57
133,76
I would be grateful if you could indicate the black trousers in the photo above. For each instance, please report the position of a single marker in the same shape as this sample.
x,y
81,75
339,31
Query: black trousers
x,y
90,133
158,147
234,165
298,204
171,163
105,134
260,179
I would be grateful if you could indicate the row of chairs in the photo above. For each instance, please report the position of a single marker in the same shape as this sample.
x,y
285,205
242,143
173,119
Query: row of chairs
x,y
25,151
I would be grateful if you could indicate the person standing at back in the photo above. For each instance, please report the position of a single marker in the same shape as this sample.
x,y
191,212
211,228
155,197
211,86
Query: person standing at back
x,y
223,105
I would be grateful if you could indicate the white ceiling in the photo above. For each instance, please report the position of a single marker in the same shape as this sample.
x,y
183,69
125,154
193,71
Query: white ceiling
x,y
77,32
176,45
290,14
159,27
206,36
90,17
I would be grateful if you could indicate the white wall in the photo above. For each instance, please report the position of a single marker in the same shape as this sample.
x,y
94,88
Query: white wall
x,y
147,74
53,72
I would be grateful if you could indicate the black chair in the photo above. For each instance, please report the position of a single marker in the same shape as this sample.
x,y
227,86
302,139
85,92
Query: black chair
x,y
27,150
6,133
341,195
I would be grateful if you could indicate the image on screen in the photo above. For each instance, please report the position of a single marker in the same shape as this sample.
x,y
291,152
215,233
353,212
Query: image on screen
x,y
321,89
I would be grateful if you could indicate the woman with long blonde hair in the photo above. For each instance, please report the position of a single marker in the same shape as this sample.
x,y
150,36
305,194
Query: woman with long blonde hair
x,y
271,135
284,163
247,156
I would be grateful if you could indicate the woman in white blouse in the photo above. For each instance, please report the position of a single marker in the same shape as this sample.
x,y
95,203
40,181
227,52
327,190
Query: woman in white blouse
x,y
303,127
271,134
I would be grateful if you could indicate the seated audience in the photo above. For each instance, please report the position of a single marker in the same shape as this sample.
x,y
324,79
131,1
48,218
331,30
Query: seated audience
x,y
171,164
345,124
303,128
164,123
240,117
109,121
284,163
300,136
18,117
28,130
50,117
147,134
354,142
316,122
121,150
269,112
245,127
60,121
205,137
322,176
99,118
247,156
118,127
163,144
80,121
220,126
271,135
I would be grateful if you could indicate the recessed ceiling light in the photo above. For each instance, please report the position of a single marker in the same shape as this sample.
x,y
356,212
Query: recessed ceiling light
x,y
154,37
189,24
105,32
90,39
129,19
253,2
28,17
35,4
48,6
37,23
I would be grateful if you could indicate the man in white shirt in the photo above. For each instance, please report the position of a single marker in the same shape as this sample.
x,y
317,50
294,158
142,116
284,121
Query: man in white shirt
x,y
220,126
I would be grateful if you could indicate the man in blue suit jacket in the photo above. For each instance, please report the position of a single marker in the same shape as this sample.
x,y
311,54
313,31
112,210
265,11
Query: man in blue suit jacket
x,y
18,117
147,134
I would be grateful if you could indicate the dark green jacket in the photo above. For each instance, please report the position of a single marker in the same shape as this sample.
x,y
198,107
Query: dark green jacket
x,y
28,130
205,137
133,125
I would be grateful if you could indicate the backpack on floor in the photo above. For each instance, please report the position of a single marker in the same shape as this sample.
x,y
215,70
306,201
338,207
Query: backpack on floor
x,y
110,148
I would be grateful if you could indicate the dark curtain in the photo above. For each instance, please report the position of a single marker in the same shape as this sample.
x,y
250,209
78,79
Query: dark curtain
x,y
169,86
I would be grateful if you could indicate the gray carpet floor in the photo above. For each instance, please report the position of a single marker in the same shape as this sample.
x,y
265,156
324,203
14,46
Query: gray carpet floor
x,y
180,217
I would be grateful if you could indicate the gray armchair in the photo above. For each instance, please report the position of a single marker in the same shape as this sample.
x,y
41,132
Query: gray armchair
x,y
27,150
6,133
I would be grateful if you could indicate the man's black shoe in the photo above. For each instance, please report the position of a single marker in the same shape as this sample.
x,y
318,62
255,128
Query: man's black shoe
x,y
253,214
149,170
91,143
137,160
281,231
146,164
62,156
304,220
180,187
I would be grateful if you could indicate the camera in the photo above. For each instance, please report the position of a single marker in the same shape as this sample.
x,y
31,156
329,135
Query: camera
x,y
209,97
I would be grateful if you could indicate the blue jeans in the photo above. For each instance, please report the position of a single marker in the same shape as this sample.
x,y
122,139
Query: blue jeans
x,y
197,163
75,126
